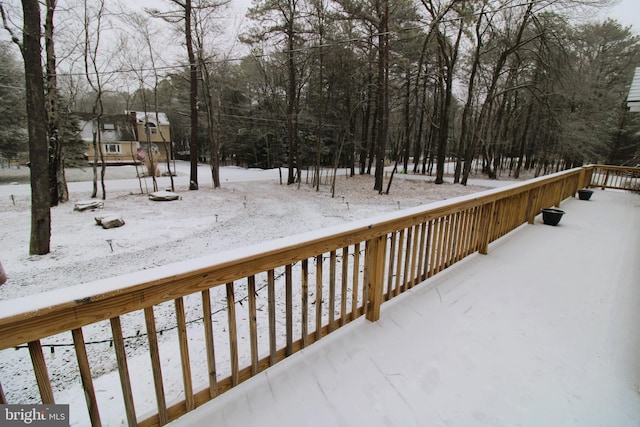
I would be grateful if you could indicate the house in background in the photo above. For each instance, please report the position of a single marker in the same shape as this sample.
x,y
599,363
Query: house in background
x,y
130,138
633,99
117,138
153,132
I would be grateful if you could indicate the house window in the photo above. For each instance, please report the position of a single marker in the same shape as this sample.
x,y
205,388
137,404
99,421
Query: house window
x,y
109,126
150,128
112,148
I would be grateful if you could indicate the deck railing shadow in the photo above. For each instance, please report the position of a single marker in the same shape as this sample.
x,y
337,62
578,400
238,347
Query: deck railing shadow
x,y
234,314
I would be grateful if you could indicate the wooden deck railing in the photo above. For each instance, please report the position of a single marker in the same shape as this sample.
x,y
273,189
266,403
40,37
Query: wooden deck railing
x,y
617,177
255,306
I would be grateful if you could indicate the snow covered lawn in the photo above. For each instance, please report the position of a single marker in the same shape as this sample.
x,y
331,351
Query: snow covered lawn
x,y
251,207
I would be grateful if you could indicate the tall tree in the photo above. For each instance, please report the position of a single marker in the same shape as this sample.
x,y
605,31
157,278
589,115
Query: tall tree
x,y
184,14
93,21
280,19
507,44
57,181
39,243
382,93
204,26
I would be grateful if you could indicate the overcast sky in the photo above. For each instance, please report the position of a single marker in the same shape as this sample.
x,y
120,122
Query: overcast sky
x,y
627,12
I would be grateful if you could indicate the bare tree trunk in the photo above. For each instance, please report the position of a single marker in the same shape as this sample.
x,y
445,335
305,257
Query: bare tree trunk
x,y
95,123
382,95
39,243
464,150
193,98
292,116
57,180
449,56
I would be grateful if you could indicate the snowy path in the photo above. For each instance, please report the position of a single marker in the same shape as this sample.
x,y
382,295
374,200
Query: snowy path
x,y
543,331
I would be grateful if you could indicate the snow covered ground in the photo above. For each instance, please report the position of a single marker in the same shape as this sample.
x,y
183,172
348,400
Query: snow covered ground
x,y
251,207
518,337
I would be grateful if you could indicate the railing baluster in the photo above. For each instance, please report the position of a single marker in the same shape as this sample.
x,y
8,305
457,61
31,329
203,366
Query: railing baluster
x,y
289,307
435,230
304,328
466,231
391,266
233,334
271,297
451,225
184,354
253,323
477,227
155,365
355,283
40,370
344,282
123,370
428,249
414,254
318,297
486,228
460,235
421,253
442,238
332,290
365,280
85,376
400,248
207,318
406,274
471,234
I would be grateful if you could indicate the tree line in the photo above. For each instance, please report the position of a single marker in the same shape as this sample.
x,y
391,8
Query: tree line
x,y
509,85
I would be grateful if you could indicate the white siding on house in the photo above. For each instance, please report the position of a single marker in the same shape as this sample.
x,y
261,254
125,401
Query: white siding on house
x,y
633,100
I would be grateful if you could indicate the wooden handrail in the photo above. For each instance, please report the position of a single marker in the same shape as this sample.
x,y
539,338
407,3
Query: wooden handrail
x,y
379,258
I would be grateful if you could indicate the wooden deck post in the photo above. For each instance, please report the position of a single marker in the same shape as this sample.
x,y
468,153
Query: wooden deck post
x,y
375,265
581,180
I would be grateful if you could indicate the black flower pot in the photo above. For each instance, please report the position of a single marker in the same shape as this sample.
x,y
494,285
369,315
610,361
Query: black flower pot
x,y
3,275
585,194
552,216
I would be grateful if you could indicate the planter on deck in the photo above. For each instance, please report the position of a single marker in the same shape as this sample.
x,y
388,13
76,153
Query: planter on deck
x,y
552,216
3,275
585,194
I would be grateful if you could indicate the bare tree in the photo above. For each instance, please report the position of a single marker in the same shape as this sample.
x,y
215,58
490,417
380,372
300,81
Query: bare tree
x,y
281,18
92,25
39,243
58,183
183,15
205,17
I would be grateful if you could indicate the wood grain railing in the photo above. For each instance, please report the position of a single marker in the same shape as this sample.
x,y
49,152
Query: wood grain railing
x,y
251,308
616,177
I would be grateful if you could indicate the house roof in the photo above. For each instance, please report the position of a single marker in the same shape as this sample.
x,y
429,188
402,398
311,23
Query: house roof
x,y
633,99
113,127
150,116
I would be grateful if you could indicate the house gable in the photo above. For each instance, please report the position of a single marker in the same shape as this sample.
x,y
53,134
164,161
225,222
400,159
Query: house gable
x,y
633,99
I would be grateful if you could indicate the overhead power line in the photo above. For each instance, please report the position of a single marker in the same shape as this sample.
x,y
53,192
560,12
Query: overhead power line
x,y
364,38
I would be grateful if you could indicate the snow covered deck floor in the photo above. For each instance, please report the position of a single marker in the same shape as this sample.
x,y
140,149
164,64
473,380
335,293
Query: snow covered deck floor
x,y
542,331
